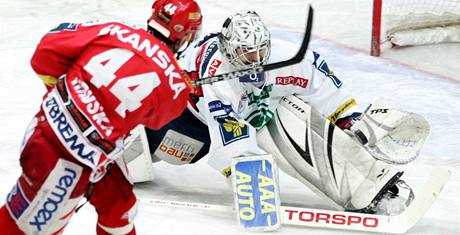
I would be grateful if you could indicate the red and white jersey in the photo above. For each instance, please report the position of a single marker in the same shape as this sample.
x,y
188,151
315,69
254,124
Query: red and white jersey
x,y
113,77
235,109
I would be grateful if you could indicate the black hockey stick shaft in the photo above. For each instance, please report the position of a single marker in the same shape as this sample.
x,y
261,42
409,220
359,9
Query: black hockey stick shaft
x,y
294,60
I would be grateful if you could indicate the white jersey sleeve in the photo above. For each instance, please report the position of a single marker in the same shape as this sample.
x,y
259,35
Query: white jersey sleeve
x,y
327,92
311,80
231,135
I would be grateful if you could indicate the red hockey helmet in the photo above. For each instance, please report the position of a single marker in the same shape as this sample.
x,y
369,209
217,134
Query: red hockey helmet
x,y
175,21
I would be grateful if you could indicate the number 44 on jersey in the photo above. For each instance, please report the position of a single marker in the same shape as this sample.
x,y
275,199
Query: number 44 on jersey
x,y
255,187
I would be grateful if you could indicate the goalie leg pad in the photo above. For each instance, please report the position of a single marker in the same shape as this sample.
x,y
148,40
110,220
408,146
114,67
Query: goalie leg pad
x,y
137,156
323,157
255,187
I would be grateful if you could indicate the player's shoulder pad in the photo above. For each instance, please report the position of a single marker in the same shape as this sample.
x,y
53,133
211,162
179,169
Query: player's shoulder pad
x,y
281,49
210,58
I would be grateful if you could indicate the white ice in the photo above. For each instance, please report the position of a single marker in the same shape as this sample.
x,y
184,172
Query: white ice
x,y
419,79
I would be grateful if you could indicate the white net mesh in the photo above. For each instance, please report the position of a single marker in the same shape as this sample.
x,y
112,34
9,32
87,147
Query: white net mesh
x,y
409,16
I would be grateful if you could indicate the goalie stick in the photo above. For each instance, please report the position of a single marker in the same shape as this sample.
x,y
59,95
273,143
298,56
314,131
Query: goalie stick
x,y
329,219
294,60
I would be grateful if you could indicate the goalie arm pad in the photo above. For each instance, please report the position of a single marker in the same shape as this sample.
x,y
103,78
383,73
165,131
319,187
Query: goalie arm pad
x,y
390,134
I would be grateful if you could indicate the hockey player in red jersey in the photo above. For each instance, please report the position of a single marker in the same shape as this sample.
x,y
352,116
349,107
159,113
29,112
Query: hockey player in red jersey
x,y
103,79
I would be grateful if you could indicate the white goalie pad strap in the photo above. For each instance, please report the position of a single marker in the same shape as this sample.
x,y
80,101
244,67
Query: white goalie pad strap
x,y
137,156
256,193
390,134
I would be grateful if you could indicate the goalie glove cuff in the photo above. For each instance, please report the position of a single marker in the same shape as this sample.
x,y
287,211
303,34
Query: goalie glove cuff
x,y
346,122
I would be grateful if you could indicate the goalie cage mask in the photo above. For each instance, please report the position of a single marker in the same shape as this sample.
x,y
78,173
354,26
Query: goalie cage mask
x,y
245,40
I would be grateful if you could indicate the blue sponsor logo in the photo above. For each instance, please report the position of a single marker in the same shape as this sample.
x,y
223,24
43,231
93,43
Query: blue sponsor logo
x,y
210,51
71,139
256,195
64,26
322,66
232,130
17,202
217,105
253,77
53,201
206,38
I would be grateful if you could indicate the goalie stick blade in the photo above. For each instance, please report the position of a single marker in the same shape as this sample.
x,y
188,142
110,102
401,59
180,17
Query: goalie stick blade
x,y
397,224
329,219
294,60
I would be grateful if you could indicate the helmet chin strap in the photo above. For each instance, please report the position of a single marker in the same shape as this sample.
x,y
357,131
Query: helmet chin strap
x,y
159,35
183,46
176,47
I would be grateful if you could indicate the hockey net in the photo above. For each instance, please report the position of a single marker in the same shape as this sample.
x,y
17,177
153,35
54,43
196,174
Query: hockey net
x,y
414,22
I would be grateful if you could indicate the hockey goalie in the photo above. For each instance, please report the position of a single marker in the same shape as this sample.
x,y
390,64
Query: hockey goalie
x,y
300,115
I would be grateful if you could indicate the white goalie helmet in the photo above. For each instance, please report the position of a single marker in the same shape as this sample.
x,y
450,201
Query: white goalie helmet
x,y
245,40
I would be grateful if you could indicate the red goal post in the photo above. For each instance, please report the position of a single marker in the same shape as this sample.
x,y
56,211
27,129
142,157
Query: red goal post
x,y
414,22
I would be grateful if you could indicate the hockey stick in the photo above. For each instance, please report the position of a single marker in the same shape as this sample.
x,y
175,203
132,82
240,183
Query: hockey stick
x,y
294,60
343,220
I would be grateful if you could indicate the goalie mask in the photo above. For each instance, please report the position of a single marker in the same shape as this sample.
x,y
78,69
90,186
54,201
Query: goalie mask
x,y
245,40
176,22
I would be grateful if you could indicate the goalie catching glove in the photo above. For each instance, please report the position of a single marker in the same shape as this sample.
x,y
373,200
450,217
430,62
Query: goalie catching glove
x,y
391,135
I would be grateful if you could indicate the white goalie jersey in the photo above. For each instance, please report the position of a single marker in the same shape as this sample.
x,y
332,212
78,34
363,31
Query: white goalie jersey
x,y
290,113
235,109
